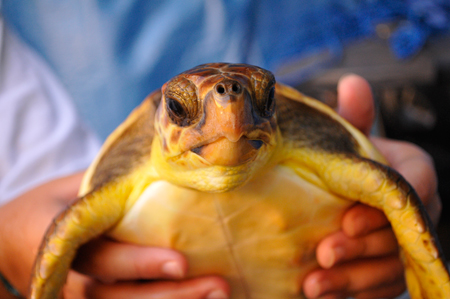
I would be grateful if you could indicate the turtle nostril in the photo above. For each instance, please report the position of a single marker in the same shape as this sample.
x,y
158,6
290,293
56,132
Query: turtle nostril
x,y
220,89
228,87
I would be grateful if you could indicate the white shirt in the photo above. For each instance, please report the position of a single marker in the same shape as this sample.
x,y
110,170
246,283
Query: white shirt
x,y
41,136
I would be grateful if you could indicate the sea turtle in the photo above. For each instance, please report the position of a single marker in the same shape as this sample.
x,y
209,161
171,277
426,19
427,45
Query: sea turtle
x,y
244,176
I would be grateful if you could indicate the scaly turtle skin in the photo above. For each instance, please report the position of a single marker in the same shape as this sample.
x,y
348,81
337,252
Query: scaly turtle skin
x,y
245,177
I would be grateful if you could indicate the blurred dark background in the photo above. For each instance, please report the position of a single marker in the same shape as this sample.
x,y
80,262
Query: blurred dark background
x,y
412,97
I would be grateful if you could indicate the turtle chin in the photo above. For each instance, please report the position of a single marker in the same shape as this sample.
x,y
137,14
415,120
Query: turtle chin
x,y
200,174
234,173
223,152
218,166
220,179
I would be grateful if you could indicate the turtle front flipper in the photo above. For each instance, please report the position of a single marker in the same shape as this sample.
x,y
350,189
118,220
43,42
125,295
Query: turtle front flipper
x,y
89,217
379,186
116,178
329,152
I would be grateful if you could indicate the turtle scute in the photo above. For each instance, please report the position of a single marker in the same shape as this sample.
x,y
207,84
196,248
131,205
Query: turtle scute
x,y
244,176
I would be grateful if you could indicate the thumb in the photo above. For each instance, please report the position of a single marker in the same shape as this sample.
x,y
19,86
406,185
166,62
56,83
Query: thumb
x,y
355,102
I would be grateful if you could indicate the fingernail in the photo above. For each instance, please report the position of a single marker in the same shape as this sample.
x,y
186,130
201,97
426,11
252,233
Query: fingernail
x,y
333,255
319,287
172,269
314,291
337,254
217,294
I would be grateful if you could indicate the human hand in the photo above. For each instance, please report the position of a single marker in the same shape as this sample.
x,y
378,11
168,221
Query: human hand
x,y
118,270
110,269
362,259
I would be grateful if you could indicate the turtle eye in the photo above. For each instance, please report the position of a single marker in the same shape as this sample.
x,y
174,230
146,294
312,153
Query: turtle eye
x,y
181,101
177,112
269,106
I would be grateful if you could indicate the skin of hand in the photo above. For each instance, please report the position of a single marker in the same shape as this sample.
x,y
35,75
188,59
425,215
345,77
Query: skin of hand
x,y
4,294
361,260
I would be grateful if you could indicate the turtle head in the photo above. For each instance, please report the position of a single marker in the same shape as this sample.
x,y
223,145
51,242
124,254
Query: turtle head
x,y
215,121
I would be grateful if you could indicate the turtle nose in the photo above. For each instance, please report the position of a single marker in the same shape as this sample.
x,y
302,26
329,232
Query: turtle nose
x,y
228,87
232,110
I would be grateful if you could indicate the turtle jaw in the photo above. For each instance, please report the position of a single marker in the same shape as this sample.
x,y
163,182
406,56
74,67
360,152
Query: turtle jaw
x,y
190,169
224,152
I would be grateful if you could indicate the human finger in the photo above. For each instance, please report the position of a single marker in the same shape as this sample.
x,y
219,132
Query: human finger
x,y
355,102
209,287
110,261
359,277
386,291
338,247
361,220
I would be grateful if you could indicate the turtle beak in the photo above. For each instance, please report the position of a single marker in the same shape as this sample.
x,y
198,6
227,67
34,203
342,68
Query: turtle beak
x,y
230,123
233,109
224,152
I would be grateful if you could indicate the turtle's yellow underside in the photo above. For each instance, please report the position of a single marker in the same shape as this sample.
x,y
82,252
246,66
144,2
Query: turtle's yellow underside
x,y
260,237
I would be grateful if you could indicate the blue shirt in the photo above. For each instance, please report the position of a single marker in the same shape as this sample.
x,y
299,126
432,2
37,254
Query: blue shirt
x,y
111,54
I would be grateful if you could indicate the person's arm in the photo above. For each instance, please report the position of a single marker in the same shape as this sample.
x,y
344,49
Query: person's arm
x,y
362,259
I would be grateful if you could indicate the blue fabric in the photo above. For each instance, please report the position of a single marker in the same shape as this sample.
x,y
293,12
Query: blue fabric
x,y
424,18
111,54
